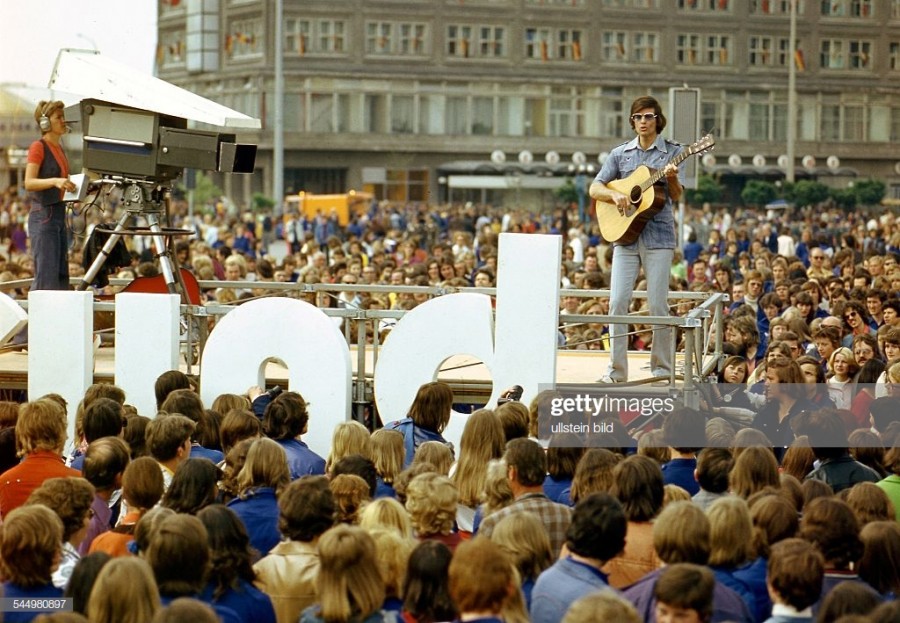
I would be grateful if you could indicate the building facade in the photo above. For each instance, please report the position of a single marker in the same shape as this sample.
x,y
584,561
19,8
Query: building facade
x,y
396,96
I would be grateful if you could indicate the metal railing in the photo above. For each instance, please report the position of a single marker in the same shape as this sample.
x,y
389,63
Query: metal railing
x,y
702,354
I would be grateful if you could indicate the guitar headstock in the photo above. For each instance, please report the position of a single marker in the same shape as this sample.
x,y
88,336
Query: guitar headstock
x,y
703,144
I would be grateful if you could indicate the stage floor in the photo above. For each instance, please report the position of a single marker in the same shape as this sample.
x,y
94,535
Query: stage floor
x,y
463,372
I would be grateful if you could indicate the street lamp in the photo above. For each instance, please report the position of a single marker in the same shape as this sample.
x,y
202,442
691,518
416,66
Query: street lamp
x,y
580,169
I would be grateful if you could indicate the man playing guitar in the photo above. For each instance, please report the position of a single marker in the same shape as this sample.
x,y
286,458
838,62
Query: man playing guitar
x,y
655,245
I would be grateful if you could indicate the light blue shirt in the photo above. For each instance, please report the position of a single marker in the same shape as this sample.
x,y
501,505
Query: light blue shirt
x,y
659,232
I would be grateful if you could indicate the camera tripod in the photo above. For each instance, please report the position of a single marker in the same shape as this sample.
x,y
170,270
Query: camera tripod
x,y
148,199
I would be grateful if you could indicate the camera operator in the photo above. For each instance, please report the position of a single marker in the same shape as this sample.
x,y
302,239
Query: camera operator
x,y
47,180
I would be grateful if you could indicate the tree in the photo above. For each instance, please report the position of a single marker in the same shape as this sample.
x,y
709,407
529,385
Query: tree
x,y
261,203
206,192
567,193
708,190
845,198
806,193
758,193
869,192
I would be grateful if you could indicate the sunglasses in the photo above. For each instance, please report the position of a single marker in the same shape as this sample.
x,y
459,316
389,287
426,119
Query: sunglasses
x,y
647,116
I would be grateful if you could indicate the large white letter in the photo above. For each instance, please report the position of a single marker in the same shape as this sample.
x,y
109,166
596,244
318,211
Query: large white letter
x,y
298,334
525,349
146,345
12,318
60,346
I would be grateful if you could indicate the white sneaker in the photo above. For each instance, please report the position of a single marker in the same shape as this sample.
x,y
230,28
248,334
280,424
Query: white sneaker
x,y
607,379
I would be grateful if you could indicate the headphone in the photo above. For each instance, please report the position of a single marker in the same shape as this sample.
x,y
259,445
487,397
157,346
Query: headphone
x,y
44,120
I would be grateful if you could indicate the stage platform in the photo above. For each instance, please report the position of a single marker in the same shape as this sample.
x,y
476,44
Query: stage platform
x,y
469,377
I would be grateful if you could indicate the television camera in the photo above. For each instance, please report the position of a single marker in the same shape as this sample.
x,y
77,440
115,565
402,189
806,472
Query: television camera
x,y
142,152
135,137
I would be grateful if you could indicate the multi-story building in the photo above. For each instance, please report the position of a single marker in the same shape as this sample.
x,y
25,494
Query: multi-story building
x,y
397,96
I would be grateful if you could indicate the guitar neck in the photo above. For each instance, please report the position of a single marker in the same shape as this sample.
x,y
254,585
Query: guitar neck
x,y
658,175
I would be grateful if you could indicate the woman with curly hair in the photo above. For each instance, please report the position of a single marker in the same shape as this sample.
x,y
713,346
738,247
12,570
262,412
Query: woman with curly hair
x,y
350,493
431,501
231,574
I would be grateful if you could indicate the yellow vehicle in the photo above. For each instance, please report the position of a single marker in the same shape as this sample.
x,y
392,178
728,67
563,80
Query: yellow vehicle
x,y
344,204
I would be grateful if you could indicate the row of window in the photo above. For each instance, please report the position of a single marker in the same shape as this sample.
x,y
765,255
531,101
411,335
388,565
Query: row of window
x,y
426,109
244,40
861,9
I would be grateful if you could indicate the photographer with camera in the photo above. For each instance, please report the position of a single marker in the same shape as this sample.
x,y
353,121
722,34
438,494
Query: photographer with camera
x,y
47,180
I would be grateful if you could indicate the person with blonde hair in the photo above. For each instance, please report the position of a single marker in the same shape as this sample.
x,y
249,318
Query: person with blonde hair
x,y
349,584
438,454
386,514
731,547
842,366
601,606
524,539
124,592
30,545
264,475
392,552
482,440
348,438
431,500
496,494
71,500
40,437
387,454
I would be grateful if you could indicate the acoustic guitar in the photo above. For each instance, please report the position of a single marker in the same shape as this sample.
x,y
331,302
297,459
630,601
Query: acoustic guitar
x,y
646,196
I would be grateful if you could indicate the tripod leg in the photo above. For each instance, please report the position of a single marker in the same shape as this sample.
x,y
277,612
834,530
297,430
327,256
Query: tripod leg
x,y
98,262
162,253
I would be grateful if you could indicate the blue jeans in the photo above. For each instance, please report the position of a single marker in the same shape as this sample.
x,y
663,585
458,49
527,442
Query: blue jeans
x,y
49,246
626,265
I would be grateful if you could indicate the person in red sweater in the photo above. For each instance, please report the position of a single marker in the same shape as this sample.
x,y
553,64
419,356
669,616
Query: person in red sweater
x,y
40,437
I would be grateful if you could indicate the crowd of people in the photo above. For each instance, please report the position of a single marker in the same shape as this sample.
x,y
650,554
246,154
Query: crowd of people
x,y
222,512
777,500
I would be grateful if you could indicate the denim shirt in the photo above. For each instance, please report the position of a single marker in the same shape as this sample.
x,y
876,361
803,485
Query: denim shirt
x,y
659,232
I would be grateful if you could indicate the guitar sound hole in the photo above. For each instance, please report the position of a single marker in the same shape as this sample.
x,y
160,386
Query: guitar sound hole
x,y
636,194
